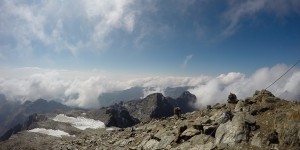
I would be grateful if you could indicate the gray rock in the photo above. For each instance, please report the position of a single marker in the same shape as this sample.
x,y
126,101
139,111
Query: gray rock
x,y
144,141
151,144
232,98
185,145
203,120
249,119
239,106
207,146
190,132
123,142
217,116
235,131
199,139
209,129
256,140
218,106
165,142
272,138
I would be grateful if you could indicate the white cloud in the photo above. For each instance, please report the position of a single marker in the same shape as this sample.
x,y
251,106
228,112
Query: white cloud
x,y
186,60
248,9
217,89
58,24
239,10
82,89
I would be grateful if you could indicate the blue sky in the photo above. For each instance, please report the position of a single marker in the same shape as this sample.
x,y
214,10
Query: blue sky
x,y
58,49
150,37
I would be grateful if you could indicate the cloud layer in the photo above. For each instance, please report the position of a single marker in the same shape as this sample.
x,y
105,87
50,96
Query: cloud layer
x,y
82,89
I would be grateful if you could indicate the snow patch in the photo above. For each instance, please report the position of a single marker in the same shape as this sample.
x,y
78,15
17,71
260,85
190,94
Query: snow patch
x,y
56,133
80,122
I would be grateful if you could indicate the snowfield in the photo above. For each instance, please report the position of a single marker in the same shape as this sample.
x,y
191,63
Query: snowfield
x,y
80,122
56,133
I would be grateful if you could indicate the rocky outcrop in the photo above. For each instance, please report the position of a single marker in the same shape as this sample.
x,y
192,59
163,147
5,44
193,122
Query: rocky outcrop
x,y
153,106
232,98
185,102
116,116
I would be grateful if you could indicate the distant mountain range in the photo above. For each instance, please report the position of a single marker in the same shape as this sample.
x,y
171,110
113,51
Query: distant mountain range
x,y
16,117
156,105
134,93
14,113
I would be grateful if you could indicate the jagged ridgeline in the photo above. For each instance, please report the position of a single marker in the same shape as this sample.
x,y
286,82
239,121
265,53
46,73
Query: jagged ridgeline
x,y
261,121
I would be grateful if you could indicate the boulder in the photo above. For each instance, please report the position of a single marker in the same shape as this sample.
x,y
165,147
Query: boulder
x,y
209,130
264,96
272,138
235,131
208,107
190,132
232,98
218,106
203,120
240,106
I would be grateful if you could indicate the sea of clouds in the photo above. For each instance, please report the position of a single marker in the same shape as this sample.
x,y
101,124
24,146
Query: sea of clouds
x,y
75,88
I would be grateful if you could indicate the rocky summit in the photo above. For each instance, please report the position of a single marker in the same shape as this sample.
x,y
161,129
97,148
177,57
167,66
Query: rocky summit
x,y
261,121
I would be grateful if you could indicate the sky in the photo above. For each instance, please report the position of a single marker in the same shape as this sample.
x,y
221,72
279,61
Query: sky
x,y
53,49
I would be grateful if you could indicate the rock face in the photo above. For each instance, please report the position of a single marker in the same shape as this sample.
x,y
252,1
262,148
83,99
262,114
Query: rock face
x,y
116,116
185,101
153,106
272,127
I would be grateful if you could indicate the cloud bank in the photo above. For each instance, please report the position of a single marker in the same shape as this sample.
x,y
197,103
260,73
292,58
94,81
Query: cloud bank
x,y
82,89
